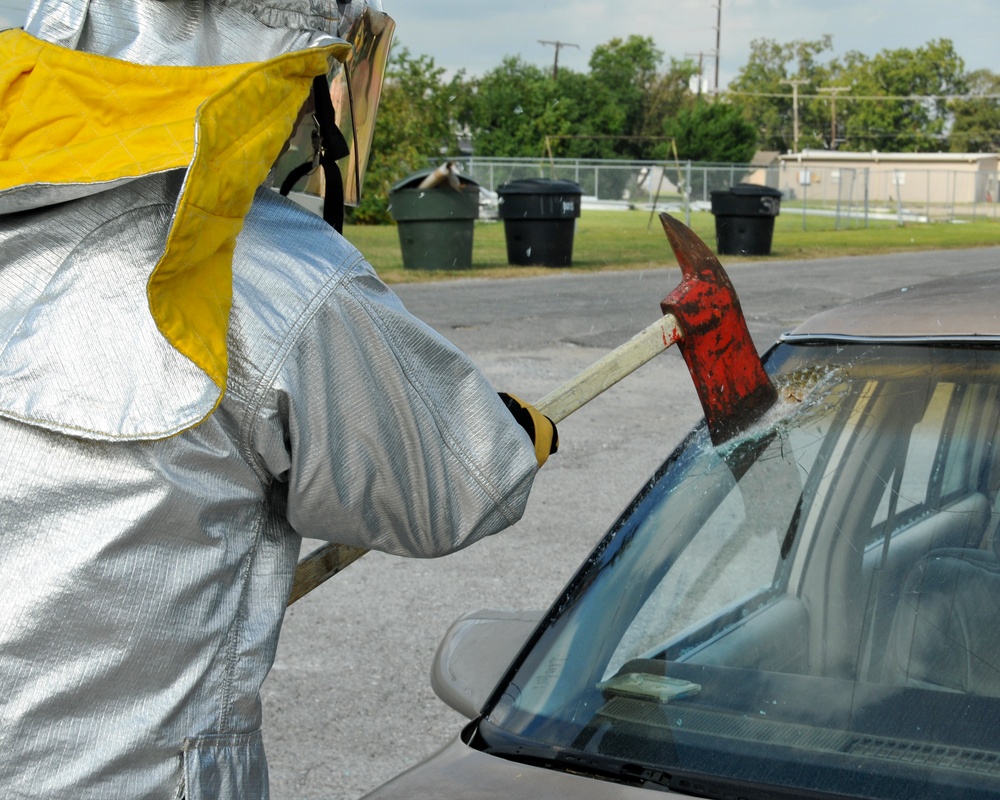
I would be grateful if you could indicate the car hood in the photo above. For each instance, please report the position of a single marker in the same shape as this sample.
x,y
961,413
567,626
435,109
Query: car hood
x,y
960,307
459,772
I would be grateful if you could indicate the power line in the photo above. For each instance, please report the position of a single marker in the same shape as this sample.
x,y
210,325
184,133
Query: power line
x,y
867,97
878,133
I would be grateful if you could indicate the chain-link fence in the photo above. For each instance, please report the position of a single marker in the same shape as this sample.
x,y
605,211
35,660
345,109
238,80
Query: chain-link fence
x,y
852,197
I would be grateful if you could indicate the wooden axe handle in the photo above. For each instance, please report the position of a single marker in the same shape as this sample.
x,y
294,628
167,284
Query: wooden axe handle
x,y
321,565
325,562
611,368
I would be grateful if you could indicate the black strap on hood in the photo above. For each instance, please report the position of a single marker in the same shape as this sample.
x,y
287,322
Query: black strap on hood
x,y
331,147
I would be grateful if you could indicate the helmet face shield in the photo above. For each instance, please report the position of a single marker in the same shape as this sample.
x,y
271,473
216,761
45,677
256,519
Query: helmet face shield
x,y
355,90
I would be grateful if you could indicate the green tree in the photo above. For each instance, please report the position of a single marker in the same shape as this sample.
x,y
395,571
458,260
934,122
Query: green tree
x,y
576,132
716,132
976,120
767,100
616,110
668,96
513,108
416,120
906,120
623,74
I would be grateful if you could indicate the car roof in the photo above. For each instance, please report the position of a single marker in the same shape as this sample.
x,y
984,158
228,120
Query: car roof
x,y
961,308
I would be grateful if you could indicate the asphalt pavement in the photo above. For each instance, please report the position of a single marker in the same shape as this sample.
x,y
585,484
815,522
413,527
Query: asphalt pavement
x,y
348,703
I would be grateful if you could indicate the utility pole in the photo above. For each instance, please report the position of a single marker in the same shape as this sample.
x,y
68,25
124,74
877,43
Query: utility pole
x,y
832,91
701,59
795,83
718,42
557,46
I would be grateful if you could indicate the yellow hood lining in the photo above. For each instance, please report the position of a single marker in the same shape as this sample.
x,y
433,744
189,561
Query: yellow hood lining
x,y
68,117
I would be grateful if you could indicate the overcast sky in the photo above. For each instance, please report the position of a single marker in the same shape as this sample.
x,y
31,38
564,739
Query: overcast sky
x,y
475,35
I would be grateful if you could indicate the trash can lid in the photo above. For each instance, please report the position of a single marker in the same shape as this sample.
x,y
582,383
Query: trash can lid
x,y
413,181
539,186
750,190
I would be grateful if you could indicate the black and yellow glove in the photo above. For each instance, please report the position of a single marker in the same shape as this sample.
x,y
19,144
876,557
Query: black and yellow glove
x,y
540,428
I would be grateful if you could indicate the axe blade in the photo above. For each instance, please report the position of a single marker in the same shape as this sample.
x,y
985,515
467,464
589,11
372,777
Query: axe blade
x,y
728,374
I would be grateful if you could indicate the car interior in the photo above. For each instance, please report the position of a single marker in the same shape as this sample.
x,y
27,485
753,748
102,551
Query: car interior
x,y
890,551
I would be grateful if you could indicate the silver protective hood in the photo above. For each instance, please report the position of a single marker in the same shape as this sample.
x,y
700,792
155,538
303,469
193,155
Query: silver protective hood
x,y
128,381
213,32
185,32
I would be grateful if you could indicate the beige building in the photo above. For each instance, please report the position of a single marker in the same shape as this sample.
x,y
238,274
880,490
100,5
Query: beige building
x,y
915,178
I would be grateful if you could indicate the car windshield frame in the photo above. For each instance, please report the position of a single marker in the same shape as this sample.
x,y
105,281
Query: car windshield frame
x,y
781,674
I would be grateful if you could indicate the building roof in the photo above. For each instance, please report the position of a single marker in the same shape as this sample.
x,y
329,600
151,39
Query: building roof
x,y
764,158
874,156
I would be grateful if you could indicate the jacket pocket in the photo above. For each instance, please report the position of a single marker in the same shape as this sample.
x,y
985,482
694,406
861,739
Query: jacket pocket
x,y
226,767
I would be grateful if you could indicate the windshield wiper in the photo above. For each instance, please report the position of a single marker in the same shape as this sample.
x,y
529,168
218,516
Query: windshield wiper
x,y
641,775
575,762
711,786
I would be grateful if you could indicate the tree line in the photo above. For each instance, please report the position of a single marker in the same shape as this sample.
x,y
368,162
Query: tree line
x,y
905,100
635,103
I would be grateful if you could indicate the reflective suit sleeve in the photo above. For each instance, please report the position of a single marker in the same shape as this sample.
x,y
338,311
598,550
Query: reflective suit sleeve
x,y
396,441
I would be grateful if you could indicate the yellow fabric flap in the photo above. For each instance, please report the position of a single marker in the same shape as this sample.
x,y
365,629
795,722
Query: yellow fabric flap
x,y
68,117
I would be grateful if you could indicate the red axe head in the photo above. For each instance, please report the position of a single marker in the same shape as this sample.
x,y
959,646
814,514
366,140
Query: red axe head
x,y
733,388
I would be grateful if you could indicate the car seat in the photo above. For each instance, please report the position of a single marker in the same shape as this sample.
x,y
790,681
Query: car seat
x,y
945,633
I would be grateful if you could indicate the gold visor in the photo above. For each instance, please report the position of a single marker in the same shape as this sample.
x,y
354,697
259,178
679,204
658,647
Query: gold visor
x,y
355,90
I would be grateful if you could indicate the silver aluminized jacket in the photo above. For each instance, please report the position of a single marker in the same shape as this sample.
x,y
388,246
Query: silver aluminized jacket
x,y
146,575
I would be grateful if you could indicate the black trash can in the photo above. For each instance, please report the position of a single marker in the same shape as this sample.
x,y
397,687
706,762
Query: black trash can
x,y
744,219
436,225
539,218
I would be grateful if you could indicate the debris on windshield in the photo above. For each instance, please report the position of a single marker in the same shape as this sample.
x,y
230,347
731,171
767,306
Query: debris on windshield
x,y
793,394
795,386
802,394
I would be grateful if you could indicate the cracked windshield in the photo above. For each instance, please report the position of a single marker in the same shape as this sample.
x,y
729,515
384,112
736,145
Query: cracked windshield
x,y
819,588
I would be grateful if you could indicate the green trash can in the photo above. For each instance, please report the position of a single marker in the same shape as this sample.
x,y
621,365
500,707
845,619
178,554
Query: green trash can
x,y
539,219
436,225
744,219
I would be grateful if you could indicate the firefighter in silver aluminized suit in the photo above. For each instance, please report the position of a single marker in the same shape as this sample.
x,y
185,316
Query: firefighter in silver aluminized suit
x,y
194,373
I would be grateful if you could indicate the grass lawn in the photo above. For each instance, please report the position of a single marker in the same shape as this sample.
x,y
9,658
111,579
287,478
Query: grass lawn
x,y
621,240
